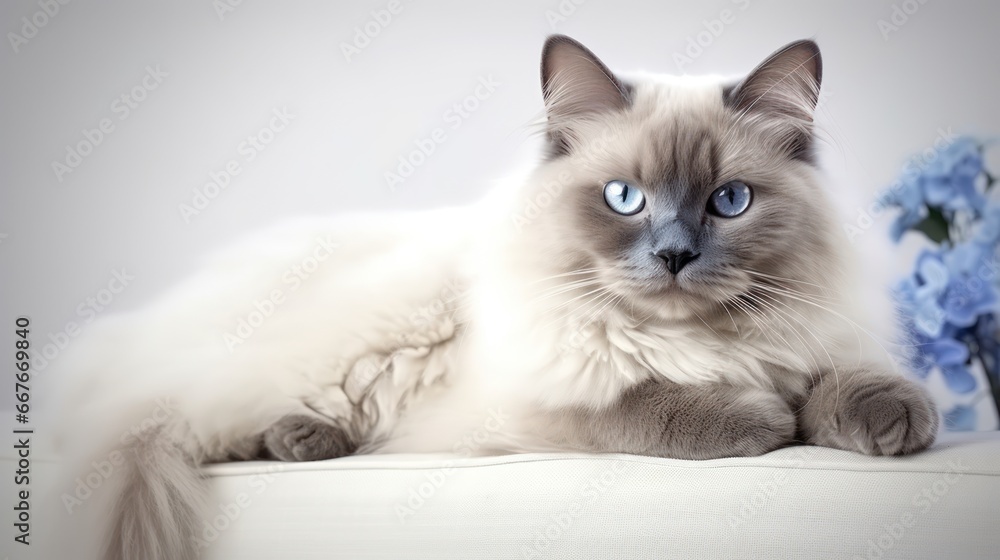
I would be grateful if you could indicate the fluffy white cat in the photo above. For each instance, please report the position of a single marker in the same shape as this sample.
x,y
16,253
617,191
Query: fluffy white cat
x,y
668,281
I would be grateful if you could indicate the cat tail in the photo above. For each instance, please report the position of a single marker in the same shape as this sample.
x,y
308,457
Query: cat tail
x,y
159,502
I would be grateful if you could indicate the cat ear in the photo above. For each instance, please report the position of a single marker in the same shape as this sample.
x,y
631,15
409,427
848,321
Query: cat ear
x,y
784,88
575,86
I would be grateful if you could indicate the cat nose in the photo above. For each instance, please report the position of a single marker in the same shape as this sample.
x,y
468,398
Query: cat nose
x,y
676,260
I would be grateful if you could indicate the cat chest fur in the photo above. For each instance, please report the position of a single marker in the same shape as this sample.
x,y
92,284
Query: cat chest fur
x,y
594,361
676,353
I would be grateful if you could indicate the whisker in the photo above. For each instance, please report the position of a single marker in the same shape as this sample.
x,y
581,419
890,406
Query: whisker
x,y
707,325
833,365
565,274
748,311
766,306
780,315
575,299
596,295
561,289
782,279
856,327
610,301
735,326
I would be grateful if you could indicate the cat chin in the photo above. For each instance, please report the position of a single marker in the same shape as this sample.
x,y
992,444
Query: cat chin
x,y
670,304
680,299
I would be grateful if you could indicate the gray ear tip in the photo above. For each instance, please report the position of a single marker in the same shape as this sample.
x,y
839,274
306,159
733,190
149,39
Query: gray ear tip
x,y
553,41
807,47
557,38
813,53
801,58
809,44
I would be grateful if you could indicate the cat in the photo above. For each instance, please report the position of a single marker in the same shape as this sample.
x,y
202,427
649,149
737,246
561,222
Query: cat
x,y
667,281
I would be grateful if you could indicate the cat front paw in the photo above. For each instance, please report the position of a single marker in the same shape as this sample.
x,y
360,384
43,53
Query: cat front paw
x,y
871,413
305,438
702,421
743,424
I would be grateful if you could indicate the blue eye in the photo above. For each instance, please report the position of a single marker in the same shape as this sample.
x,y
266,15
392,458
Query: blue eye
x,y
730,200
623,198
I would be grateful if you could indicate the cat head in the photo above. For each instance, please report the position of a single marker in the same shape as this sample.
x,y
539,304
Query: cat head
x,y
681,193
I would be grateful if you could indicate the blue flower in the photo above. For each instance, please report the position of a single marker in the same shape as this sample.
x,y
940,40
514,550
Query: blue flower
x,y
949,287
988,234
947,352
961,155
949,177
951,300
921,294
970,292
958,379
961,418
965,258
940,302
910,198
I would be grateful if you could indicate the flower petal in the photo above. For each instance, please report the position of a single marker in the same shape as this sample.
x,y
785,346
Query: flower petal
x,y
958,379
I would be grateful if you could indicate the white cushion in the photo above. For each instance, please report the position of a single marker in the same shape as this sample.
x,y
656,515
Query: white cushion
x,y
801,502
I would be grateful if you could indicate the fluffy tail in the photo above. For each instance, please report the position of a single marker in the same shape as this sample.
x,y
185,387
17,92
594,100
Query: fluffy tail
x,y
159,504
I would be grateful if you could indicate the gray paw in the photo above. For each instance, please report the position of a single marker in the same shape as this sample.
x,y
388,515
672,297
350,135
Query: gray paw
x,y
688,422
305,438
738,423
871,413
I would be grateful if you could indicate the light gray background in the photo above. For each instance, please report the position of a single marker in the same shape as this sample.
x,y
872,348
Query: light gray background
x,y
885,97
